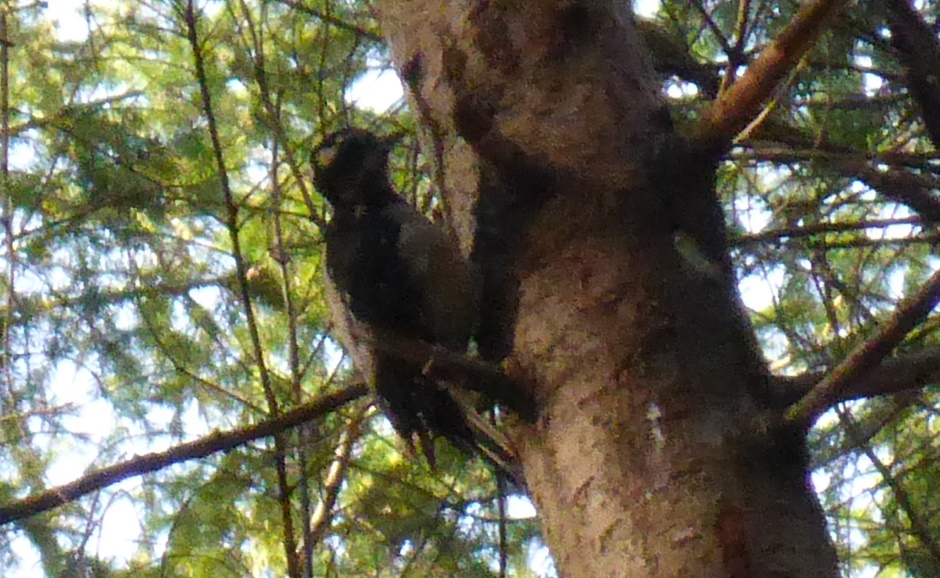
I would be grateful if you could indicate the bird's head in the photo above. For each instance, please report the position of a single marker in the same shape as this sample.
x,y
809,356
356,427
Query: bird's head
x,y
350,168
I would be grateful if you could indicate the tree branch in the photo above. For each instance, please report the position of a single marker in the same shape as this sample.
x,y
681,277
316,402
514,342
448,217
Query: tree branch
x,y
920,527
778,235
215,442
907,188
320,521
899,374
272,117
241,271
735,108
6,208
455,368
868,354
333,20
919,52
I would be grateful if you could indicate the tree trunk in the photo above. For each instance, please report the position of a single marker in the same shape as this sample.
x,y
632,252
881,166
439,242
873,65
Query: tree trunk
x,y
608,288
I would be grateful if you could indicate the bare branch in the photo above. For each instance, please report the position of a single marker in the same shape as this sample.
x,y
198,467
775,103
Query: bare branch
x,y
215,442
468,374
734,109
776,235
6,321
868,354
333,20
898,374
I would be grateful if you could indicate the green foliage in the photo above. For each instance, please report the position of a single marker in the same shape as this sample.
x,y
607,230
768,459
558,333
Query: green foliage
x,y
129,334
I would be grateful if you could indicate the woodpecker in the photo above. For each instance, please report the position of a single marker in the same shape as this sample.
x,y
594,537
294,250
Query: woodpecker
x,y
390,269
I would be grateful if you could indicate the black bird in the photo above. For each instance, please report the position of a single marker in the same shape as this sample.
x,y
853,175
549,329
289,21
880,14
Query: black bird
x,y
390,269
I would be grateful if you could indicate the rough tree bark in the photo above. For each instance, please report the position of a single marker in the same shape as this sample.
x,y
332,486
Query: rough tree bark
x,y
655,451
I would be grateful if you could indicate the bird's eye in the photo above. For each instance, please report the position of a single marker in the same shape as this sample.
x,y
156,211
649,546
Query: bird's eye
x,y
325,156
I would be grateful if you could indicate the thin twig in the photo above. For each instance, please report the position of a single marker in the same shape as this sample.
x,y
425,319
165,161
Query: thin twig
x,y
271,117
714,28
333,20
736,56
241,271
772,235
6,321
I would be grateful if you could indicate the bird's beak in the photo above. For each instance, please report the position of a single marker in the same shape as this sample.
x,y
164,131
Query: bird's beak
x,y
324,157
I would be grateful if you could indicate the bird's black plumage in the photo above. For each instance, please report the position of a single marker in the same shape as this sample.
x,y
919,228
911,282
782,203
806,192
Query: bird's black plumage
x,y
390,269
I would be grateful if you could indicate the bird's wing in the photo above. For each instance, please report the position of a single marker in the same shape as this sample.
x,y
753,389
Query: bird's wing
x,y
449,287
